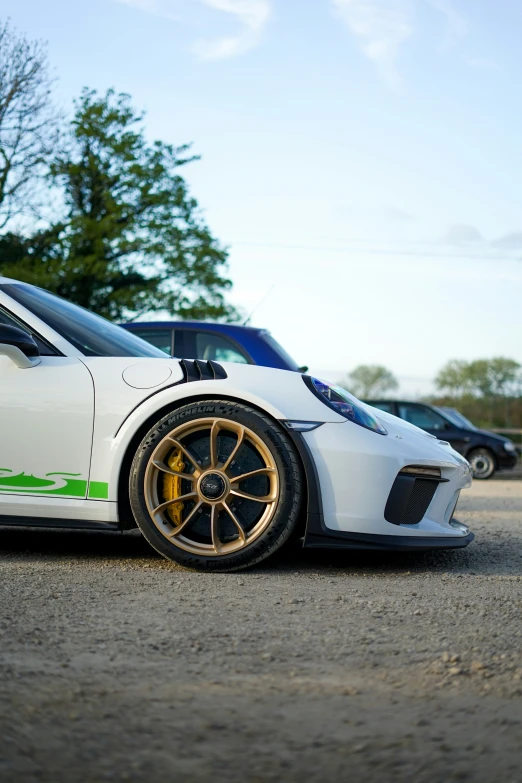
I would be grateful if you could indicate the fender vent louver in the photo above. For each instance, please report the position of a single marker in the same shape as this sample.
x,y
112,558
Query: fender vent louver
x,y
198,370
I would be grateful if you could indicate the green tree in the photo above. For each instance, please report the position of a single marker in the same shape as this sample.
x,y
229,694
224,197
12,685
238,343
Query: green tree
x,y
483,385
505,376
454,378
370,380
131,239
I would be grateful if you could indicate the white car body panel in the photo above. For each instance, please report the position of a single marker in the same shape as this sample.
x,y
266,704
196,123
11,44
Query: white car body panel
x,y
122,410
346,456
79,415
46,418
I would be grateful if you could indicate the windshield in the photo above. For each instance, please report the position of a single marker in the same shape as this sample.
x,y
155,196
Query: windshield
x,y
457,418
89,333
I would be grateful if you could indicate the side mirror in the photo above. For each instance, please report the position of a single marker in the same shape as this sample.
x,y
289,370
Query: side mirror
x,y
19,346
304,368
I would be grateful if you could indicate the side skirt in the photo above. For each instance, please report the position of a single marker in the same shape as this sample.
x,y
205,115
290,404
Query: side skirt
x,y
77,524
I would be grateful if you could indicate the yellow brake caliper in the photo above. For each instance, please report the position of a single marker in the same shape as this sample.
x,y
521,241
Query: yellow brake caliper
x,y
172,486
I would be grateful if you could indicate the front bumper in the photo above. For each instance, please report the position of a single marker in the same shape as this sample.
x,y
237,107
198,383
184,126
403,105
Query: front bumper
x,y
506,459
355,470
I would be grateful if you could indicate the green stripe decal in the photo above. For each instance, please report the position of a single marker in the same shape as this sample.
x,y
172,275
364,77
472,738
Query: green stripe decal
x,y
64,484
98,490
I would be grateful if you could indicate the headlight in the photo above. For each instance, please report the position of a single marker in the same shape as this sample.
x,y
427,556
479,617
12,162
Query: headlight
x,y
341,402
508,446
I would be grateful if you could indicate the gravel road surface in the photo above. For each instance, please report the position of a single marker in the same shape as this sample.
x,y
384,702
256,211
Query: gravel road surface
x,y
116,665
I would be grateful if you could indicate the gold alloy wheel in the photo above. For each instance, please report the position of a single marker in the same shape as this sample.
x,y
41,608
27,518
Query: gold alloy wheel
x,y
211,486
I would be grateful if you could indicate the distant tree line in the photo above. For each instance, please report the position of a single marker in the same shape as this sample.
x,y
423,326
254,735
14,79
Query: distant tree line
x,y
93,211
487,391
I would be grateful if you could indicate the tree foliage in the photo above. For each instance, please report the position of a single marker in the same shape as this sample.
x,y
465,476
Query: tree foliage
x,y
28,122
486,390
131,238
496,377
370,380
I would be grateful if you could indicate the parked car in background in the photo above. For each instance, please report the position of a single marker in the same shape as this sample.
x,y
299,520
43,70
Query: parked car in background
x,y
215,342
485,451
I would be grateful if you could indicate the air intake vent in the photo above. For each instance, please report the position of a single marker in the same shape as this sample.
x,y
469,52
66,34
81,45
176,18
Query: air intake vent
x,y
410,496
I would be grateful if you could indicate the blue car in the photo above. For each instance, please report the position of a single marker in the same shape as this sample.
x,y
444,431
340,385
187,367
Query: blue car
x,y
219,342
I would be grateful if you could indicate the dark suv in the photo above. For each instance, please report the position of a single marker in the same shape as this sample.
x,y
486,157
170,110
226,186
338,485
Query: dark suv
x,y
485,451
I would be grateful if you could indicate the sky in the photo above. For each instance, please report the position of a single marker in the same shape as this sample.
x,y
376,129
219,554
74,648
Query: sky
x,y
361,159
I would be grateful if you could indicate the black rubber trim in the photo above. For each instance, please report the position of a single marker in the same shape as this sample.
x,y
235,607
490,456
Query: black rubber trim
x,y
337,539
314,505
77,524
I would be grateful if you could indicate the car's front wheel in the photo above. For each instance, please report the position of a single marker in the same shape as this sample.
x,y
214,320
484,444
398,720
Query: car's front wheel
x,y
482,463
216,486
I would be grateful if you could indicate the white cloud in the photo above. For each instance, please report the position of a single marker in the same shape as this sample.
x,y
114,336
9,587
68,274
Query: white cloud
x,y
457,25
164,8
384,26
251,15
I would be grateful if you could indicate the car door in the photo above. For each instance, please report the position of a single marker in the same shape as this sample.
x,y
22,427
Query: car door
x,y
426,418
46,425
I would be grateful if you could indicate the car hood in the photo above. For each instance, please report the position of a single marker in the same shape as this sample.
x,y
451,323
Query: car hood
x,y
492,436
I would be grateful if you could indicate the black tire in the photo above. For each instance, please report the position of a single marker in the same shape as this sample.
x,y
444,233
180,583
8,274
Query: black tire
x,y
289,487
483,463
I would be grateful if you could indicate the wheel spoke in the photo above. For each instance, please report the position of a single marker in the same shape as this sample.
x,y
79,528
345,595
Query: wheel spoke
x,y
214,444
214,513
165,469
185,522
261,472
180,499
188,455
259,498
236,522
240,437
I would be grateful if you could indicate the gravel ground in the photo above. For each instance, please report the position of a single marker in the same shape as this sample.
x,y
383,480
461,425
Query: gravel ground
x,y
116,665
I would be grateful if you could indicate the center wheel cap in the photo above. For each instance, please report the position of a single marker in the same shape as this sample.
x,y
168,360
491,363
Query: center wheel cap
x,y
212,486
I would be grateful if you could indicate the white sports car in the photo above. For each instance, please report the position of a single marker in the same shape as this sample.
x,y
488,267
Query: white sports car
x,y
218,465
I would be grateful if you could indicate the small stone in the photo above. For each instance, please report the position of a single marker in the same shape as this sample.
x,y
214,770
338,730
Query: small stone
x,y
454,671
477,666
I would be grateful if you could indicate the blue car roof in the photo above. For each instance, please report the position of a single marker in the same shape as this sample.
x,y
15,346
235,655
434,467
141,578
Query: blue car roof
x,y
210,326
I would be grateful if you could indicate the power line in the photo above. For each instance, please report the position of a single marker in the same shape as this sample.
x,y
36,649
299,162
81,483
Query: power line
x,y
377,252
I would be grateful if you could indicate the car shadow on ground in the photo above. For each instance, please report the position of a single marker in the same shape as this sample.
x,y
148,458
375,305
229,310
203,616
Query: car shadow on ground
x,y
489,554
